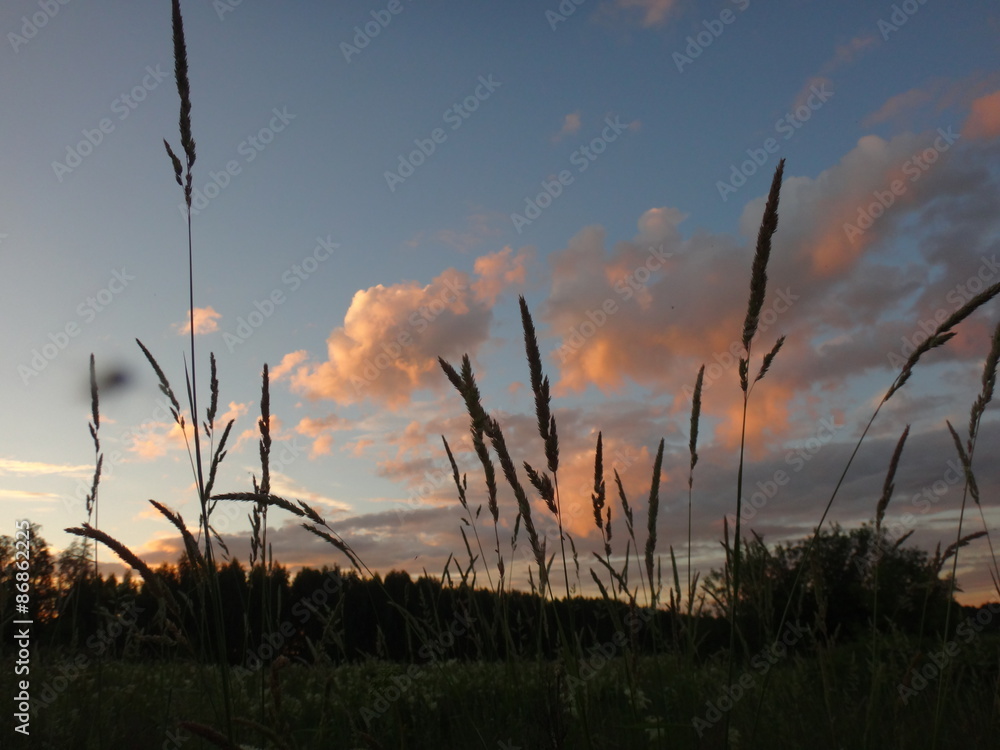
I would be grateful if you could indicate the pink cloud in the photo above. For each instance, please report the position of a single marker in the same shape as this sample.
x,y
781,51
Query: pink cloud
x,y
498,271
391,338
983,122
321,431
288,363
898,106
159,439
205,321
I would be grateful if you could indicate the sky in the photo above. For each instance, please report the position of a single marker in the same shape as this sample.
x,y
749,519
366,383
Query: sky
x,y
378,182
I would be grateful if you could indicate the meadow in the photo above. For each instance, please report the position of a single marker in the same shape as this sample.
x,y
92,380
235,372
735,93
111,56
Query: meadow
x,y
845,639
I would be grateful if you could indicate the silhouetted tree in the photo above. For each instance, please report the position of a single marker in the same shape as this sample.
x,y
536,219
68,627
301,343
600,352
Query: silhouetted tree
x,y
836,591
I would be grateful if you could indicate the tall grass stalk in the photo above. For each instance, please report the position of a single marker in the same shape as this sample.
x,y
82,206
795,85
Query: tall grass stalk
x,y
602,513
92,507
693,450
758,290
653,510
887,489
692,583
546,430
188,148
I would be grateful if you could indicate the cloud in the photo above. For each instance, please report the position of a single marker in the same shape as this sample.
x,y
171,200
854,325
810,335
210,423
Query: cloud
x,y
28,495
898,107
234,411
498,271
320,430
650,310
252,434
935,96
288,363
983,122
328,507
392,336
205,321
158,439
16,467
571,124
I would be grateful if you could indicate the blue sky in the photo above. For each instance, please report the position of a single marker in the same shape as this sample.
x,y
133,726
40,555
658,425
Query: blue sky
x,y
356,194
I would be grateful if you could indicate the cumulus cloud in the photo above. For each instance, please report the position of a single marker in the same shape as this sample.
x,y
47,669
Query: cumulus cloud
x,y
392,336
652,309
205,321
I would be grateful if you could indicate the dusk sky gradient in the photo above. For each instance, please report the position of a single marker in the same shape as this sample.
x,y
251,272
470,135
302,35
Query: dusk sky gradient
x,y
368,203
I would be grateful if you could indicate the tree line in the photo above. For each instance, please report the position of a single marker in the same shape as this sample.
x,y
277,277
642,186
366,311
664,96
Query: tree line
x,y
333,615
